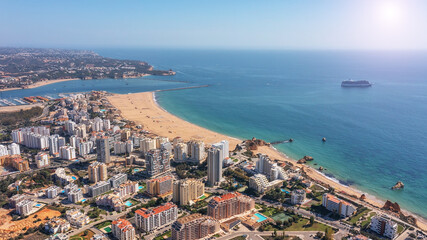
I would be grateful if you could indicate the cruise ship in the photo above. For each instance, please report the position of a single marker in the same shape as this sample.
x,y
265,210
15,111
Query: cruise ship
x,y
352,83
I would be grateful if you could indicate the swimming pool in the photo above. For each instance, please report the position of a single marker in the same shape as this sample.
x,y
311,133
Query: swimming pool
x,y
128,203
38,205
84,200
140,187
74,178
260,217
283,190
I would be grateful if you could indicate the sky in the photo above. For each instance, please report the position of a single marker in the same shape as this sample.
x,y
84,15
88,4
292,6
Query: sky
x,y
219,24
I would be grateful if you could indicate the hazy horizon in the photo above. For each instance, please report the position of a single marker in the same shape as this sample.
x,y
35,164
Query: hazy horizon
x,y
242,25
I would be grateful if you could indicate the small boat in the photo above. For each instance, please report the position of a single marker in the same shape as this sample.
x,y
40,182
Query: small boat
x,y
323,139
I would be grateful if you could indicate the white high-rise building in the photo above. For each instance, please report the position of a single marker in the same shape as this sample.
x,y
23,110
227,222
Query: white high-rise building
x,y
384,226
67,152
54,144
196,151
224,146
97,125
147,144
180,152
129,146
42,159
215,158
107,124
3,151
85,148
70,126
14,149
119,148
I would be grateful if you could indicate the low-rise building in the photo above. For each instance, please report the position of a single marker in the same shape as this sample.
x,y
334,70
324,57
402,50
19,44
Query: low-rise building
x,y
150,219
123,229
111,200
76,218
384,226
260,183
57,225
194,226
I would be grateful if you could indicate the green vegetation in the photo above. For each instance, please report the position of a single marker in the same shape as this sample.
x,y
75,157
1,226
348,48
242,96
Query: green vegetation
x,y
366,223
184,170
96,212
400,229
303,224
103,225
165,235
19,117
276,195
359,214
85,235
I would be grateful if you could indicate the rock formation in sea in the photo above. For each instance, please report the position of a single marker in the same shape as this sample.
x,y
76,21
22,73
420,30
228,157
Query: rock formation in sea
x,y
305,159
362,197
254,143
398,185
393,207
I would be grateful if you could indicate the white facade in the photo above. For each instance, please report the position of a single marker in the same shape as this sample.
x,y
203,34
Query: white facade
x,y
215,158
180,152
384,226
298,196
52,191
42,160
14,149
67,152
148,220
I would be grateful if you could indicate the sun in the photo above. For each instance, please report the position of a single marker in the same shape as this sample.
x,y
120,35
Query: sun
x,y
390,12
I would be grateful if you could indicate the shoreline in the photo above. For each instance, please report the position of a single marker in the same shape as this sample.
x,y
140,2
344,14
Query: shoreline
x,y
157,120
40,83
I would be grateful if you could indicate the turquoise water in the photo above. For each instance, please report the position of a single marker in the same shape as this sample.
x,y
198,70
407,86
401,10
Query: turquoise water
x,y
128,203
284,190
261,217
375,136
74,178
38,205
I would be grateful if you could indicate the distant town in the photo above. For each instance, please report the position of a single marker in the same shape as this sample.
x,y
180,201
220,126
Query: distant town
x,y
75,168
23,67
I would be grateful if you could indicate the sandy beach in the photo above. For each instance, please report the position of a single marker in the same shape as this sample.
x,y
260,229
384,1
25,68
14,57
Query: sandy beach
x,y
143,109
41,83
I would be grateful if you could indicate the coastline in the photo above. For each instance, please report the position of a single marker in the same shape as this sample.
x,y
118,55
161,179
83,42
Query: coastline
x,y
19,107
158,121
40,83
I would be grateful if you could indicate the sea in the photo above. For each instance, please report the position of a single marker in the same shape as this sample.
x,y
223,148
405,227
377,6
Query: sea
x,y
375,136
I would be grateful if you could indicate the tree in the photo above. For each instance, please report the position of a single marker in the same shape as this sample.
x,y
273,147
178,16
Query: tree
x,y
311,221
328,234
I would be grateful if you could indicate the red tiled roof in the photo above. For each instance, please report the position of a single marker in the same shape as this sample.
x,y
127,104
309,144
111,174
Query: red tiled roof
x,y
147,213
226,196
123,224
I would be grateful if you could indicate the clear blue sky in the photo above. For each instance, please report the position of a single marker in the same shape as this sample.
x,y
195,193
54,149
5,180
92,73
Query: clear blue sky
x,y
240,24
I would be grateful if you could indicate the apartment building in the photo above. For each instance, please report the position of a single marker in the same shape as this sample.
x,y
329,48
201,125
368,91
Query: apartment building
x,y
97,171
157,162
99,188
334,204
229,205
161,186
151,219
123,229
260,183
298,196
185,191
194,226
384,226
118,179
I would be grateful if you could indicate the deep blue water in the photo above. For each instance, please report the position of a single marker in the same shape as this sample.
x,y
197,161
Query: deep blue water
x,y
375,136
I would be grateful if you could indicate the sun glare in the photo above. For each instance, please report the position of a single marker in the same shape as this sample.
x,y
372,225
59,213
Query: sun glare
x,y
390,12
